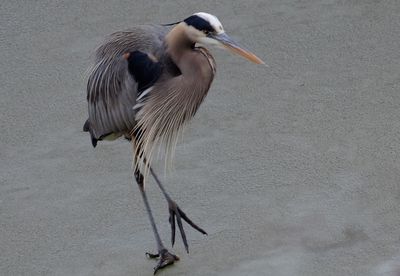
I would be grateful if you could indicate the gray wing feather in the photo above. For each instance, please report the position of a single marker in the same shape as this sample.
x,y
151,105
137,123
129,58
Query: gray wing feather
x,y
111,90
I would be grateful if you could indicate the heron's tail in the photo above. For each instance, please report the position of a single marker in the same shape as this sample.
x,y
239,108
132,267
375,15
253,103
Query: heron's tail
x,y
86,128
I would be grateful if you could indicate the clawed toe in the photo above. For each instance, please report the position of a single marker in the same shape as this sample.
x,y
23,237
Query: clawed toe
x,y
152,256
176,213
166,259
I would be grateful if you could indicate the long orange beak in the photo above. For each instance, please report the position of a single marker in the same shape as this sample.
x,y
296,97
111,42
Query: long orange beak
x,y
232,46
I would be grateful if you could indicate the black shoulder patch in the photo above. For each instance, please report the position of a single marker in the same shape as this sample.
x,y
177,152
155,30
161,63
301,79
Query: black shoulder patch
x,y
199,23
171,67
144,70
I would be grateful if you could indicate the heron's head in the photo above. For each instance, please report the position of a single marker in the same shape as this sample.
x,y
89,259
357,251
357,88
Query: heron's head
x,y
206,29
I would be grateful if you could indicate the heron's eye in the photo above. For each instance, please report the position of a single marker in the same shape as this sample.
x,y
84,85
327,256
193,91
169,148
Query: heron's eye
x,y
206,32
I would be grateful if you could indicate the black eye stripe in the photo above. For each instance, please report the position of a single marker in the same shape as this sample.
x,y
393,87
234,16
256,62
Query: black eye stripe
x,y
199,23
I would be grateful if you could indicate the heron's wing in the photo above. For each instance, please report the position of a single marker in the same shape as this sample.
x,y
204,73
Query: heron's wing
x,y
115,81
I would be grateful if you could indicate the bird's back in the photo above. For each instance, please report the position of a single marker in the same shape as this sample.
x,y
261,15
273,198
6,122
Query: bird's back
x,y
112,90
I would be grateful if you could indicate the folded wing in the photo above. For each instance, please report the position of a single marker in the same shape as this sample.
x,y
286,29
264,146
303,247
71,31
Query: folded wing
x,y
125,66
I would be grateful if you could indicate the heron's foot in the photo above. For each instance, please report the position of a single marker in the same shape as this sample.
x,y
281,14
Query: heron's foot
x,y
176,212
165,259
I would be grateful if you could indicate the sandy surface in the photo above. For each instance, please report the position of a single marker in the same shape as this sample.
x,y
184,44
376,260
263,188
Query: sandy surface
x,y
292,170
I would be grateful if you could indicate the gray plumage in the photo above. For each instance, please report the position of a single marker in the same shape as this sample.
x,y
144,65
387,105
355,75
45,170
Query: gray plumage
x,y
116,109
145,84
111,90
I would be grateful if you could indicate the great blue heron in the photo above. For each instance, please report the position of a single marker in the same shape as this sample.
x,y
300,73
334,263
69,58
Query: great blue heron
x,y
145,84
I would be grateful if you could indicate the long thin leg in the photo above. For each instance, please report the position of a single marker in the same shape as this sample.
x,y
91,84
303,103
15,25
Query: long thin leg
x,y
140,182
176,212
166,258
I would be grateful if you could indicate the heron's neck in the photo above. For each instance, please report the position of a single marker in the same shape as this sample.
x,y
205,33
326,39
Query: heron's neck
x,y
178,43
196,64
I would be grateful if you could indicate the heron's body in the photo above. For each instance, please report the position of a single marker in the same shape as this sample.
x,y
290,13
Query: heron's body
x,y
145,84
126,100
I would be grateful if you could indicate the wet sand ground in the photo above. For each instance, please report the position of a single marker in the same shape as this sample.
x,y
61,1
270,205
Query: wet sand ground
x,y
292,169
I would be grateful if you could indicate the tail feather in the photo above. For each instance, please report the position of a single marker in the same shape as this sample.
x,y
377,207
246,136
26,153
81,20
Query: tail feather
x,y
86,128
